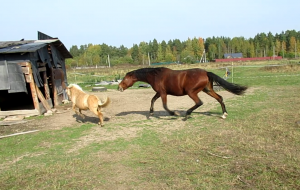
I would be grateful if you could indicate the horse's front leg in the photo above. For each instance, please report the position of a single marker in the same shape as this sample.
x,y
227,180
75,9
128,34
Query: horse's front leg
x,y
156,96
74,109
198,103
81,114
164,101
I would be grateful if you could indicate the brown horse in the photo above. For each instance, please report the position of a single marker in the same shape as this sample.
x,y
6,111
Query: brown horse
x,y
189,82
84,101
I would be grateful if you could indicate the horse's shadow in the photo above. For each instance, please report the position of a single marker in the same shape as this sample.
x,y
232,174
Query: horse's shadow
x,y
165,115
88,119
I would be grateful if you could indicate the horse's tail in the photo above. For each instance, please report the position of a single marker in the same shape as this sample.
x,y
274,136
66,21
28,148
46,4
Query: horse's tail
x,y
104,103
231,87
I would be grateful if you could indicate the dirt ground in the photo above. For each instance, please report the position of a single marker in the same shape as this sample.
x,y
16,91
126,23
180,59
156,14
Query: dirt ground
x,y
130,105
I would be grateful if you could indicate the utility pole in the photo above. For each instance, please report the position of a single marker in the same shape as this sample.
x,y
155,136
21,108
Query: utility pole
x,y
143,59
219,50
149,59
203,57
282,51
108,60
295,48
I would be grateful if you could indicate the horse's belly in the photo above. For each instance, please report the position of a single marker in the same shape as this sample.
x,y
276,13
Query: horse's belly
x,y
178,92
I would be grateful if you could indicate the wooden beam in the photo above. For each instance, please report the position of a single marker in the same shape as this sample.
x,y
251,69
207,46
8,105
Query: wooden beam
x,y
29,79
46,86
42,99
54,91
42,64
32,112
42,69
26,70
24,64
21,133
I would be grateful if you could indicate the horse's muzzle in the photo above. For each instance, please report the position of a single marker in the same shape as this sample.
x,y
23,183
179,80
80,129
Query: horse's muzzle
x,y
120,89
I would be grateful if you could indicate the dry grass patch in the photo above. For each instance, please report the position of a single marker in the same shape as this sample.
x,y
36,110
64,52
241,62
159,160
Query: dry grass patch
x,y
290,68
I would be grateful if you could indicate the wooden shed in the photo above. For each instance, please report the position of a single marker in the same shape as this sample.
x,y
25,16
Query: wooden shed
x,y
32,74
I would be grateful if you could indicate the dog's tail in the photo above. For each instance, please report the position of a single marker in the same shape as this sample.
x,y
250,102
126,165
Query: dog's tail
x,y
104,102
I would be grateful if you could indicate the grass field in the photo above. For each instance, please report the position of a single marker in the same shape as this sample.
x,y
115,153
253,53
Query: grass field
x,y
256,147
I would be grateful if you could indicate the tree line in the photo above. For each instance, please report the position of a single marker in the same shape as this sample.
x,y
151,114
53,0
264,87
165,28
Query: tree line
x,y
285,44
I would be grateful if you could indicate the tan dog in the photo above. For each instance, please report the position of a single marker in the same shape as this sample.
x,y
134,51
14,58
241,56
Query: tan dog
x,y
84,101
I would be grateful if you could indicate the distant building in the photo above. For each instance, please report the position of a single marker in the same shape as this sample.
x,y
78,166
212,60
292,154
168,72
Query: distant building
x,y
233,55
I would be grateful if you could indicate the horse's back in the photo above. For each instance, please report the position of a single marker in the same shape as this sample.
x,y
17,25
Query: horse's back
x,y
180,82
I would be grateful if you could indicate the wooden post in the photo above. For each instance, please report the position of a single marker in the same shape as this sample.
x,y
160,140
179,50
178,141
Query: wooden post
x,y
30,80
26,68
54,91
46,87
42,99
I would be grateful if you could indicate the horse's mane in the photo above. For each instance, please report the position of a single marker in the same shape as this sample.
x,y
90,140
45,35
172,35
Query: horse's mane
x,y
76,86
142,73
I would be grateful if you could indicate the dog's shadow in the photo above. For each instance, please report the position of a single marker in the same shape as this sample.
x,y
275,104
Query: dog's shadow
x,y
88,119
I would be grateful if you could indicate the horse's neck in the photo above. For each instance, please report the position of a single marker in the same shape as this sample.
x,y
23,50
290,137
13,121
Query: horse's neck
x,y
143,78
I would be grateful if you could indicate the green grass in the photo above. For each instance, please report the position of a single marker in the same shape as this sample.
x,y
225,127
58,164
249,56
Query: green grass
x,y
256,147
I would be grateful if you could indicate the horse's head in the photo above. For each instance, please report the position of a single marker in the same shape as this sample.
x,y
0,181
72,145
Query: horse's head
x,y
127,81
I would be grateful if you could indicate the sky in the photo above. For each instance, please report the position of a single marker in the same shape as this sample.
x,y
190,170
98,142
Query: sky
x,y
129,22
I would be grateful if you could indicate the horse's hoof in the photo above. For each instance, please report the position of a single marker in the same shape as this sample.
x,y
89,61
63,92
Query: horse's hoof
x,y
176,113
151,114
82,116
224,116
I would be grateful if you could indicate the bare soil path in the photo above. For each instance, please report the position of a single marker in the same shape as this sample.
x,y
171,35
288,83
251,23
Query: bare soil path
x,y
127,106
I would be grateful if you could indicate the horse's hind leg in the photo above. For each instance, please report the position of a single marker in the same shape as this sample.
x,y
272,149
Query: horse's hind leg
x,y
198,102
156,96
97,111
219,98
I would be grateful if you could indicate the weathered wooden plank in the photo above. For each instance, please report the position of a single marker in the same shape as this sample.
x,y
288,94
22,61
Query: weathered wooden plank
x,y
14,118
42,108
34,94
20,112
26,70
29,78
46,86
8,123
54,91
21,133
41,64
42,99
42,69
25,64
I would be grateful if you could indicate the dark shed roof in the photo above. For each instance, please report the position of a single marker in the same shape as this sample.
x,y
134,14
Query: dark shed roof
x,y
32,46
